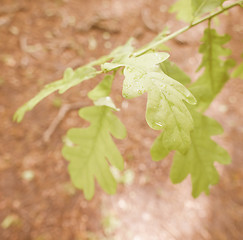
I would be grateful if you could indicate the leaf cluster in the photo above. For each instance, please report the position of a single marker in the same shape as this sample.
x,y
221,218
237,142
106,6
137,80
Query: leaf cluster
x,y
175,106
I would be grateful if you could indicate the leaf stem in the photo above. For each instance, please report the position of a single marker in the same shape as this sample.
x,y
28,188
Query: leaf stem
x,y
184,29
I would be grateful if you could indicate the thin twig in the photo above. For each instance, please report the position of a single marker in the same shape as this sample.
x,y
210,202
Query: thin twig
x,y
60,116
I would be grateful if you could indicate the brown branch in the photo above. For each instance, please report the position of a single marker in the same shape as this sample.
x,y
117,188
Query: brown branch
x,y
58,119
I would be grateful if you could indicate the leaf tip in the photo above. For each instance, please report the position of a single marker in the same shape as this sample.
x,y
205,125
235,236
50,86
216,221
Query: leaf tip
x,y
18,116
88,196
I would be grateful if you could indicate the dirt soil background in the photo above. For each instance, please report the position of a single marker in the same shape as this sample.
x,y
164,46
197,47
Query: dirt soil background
x,y
38,41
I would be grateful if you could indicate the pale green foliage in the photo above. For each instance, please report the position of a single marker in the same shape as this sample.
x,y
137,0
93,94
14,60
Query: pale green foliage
x,y
215,72
91,152
163,92
184,11
92,147
166,110
172,70
158,150
106,101
238,72
103,89
199,160
70,79
165,106
188,10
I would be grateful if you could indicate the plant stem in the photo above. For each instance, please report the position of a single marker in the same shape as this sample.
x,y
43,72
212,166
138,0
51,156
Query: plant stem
x,y
184,29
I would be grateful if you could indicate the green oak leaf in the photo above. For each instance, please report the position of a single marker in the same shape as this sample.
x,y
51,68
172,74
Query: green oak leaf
x,y
70,79
184,11
172,70
106,101
215,73
158,150
93,150
200,158
103,89
165,106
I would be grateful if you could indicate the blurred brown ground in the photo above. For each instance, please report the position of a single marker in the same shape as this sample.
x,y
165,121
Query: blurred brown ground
x,y
38,41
